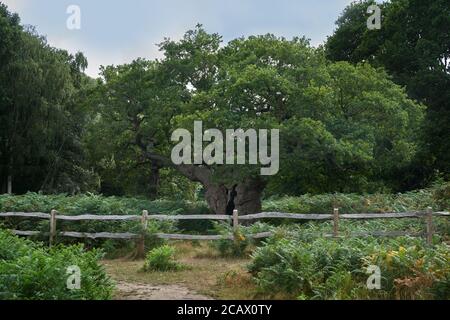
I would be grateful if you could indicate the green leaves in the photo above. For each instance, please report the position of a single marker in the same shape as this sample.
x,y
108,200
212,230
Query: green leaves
x,y
29,271
40,111
342,127
162,259
311,267
413,46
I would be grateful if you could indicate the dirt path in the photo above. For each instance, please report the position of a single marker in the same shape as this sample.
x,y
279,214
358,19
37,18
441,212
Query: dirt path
x,y
141,291
207,276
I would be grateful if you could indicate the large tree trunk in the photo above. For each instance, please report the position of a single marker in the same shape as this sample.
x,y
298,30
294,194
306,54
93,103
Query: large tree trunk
x,y
245,197
248,196
9,179
217,198
9,186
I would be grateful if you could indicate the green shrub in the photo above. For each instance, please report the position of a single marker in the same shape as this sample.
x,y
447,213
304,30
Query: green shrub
x,y
441,194
93,204
414,271
227,247
162,259
438,197
298,264
240,245
231,248
31,271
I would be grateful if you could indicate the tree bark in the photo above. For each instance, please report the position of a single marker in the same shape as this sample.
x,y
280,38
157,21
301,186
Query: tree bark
x,y
217,198
9,181
9,187
248,196
154,181
244,196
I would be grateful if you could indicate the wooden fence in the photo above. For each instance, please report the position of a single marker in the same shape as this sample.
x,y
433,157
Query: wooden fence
x,y
235,218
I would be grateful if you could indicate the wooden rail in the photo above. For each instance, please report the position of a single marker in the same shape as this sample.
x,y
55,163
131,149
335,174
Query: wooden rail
x,y
145,217
263,215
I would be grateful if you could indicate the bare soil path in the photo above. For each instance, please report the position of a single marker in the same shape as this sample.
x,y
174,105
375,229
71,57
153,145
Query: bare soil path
x,y
142,291
207,277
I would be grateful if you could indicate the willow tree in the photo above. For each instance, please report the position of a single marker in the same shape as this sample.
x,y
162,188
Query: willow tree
x,y
40,115
342,127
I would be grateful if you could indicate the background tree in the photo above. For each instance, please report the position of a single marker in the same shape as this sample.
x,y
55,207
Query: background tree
x,y
132,107
42,122
413,45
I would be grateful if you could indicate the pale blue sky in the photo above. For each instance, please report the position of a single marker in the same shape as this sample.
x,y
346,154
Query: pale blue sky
x,y
118,31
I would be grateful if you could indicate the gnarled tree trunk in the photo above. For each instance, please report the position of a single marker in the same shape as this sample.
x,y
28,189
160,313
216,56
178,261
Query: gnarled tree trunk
x,y
244,196
248,196
222,199
217,198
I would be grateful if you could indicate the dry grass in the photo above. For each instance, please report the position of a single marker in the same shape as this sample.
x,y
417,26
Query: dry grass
x,y
208,274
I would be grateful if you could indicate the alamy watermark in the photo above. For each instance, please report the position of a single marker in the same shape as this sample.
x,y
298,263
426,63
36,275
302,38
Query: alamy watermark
x,y
374,21
374,280
214,153
74,279
73,22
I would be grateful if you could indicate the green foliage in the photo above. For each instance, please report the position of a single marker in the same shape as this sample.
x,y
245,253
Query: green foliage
x,y
436,197
441,194
351,30
174,187
41,114
30,271
342,127
413,45
241,244
152,241
307,267
414,271
331,143
162,259
232,248
125,248
95,204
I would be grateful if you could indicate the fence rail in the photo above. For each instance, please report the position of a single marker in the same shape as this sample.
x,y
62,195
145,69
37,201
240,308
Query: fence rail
x,y
262,215
235,218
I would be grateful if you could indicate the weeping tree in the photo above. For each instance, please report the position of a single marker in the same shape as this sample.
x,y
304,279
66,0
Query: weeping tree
x,y
40,114
341,127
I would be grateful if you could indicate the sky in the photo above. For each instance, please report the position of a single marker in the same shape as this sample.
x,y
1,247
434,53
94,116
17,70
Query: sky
x,y
117,32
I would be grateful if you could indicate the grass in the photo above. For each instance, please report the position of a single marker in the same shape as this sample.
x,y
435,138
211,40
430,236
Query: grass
x,y
208,274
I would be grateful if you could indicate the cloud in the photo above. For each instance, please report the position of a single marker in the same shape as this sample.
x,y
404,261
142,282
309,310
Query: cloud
x,y
16,5
116,32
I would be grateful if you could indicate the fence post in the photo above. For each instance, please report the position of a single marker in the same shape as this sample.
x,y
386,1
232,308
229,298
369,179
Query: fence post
x,y
141,244
52,227
235,224
335,222
429,225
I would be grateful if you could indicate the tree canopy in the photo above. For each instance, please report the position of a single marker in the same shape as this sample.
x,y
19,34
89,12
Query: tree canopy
x,y
342,127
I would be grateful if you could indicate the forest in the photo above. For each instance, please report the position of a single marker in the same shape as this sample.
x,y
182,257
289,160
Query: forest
x,y
364,125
